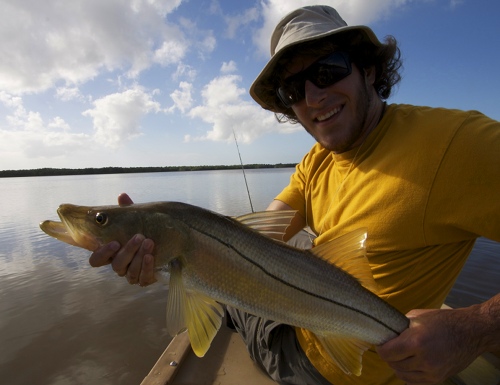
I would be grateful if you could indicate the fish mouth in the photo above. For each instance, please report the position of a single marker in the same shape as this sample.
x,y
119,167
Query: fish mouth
x,y
69,231
59,231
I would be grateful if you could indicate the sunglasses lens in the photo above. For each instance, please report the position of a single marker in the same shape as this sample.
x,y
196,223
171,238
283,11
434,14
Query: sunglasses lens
x,y
323,73
330,70
291,93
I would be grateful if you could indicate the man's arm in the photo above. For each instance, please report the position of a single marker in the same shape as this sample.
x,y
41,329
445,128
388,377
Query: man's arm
x,y
441,343
297,224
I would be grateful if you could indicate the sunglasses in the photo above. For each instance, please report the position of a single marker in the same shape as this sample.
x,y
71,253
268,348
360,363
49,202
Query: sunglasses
x,y
322,73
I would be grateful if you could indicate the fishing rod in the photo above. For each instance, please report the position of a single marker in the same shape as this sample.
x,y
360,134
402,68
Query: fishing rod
x,y
243,169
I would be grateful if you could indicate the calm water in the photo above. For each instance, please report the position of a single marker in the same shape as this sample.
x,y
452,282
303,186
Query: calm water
x,y
63,322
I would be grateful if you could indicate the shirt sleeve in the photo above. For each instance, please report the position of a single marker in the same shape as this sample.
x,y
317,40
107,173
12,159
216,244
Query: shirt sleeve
x,y
466,192
294,194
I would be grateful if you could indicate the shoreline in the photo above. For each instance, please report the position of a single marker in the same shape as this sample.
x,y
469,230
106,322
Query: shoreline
x,y
130,170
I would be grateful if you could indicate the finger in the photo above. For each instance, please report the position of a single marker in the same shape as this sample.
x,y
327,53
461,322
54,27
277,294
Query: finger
x,y
416,378
407,365
399,348
393,351
125,255
147,276
124,199
416,372
412,314
134,269
104,254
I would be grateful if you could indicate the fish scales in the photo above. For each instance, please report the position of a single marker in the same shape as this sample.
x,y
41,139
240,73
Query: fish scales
x,y
313,285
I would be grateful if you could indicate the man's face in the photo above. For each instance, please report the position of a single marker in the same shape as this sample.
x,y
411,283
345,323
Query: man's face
x,y
341,115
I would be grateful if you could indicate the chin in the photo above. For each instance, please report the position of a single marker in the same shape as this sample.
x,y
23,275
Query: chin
x,y
336,146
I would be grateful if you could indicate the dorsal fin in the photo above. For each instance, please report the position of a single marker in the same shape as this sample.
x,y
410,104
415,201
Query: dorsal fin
x,y
272,224
348,252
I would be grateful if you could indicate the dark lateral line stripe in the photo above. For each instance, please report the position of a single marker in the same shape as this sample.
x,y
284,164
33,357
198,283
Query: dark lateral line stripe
x,y
290,285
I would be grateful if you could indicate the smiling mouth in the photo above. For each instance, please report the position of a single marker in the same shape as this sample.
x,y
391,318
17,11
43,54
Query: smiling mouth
x,y
328,115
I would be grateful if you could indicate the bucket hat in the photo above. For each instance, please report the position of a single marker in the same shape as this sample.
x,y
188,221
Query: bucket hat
x,y
300,26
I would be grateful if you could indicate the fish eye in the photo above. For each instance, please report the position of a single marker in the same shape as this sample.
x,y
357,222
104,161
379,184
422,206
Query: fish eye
x,y
101,218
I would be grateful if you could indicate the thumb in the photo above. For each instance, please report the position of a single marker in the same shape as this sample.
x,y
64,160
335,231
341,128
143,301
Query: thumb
x,y
124,199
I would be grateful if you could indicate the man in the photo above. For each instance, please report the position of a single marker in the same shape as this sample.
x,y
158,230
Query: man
x,y
424,182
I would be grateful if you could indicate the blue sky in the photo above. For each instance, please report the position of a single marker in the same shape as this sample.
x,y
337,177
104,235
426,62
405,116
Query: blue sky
x,y
93,83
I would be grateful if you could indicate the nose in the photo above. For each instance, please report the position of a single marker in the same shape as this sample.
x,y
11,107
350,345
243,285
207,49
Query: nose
x,y
313,94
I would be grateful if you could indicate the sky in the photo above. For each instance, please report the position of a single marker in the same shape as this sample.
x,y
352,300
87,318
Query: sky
x,y
137,83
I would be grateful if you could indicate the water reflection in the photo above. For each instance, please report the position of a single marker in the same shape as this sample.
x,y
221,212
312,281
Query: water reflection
x,y
67,323
480,277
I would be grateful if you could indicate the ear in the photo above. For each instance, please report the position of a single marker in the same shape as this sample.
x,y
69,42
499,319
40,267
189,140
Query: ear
x,y
370,74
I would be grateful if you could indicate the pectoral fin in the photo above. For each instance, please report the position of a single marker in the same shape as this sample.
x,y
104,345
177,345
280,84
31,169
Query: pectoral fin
x,y
204,320
187,308
347,353
348,253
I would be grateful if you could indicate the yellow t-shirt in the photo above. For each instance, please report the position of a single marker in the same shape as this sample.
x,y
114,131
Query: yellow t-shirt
x,y
426,184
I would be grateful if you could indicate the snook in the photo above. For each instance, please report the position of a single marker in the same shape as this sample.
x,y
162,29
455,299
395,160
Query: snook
x,y
214,259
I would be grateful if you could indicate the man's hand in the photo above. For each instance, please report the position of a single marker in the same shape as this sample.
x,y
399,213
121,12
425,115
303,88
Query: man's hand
x,y
134,260
437,345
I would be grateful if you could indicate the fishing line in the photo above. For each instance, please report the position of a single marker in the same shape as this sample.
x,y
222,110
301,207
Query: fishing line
x,y
243,169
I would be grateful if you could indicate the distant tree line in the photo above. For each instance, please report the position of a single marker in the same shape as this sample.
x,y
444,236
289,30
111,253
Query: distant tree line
x,y
129,170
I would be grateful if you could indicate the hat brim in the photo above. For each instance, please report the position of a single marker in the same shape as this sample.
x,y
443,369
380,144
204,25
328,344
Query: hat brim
x,y
257,89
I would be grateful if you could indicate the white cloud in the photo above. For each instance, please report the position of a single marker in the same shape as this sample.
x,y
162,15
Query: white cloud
x,y
235,22
44,43
184,71
209,43
182,97
58,123
27,135
27,144
225,110
162,7
19,119
170,52
203,39
223,90
116,117
69,93
456,3
228,67
30,121
10,101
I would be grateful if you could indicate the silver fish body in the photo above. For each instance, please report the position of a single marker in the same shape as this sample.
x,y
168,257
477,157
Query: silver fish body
x,y
214,259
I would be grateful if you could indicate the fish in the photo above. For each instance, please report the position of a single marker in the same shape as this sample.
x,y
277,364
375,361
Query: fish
x,y
212,260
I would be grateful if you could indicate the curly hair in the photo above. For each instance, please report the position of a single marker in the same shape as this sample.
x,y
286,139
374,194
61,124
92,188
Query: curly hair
x,y
386,59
